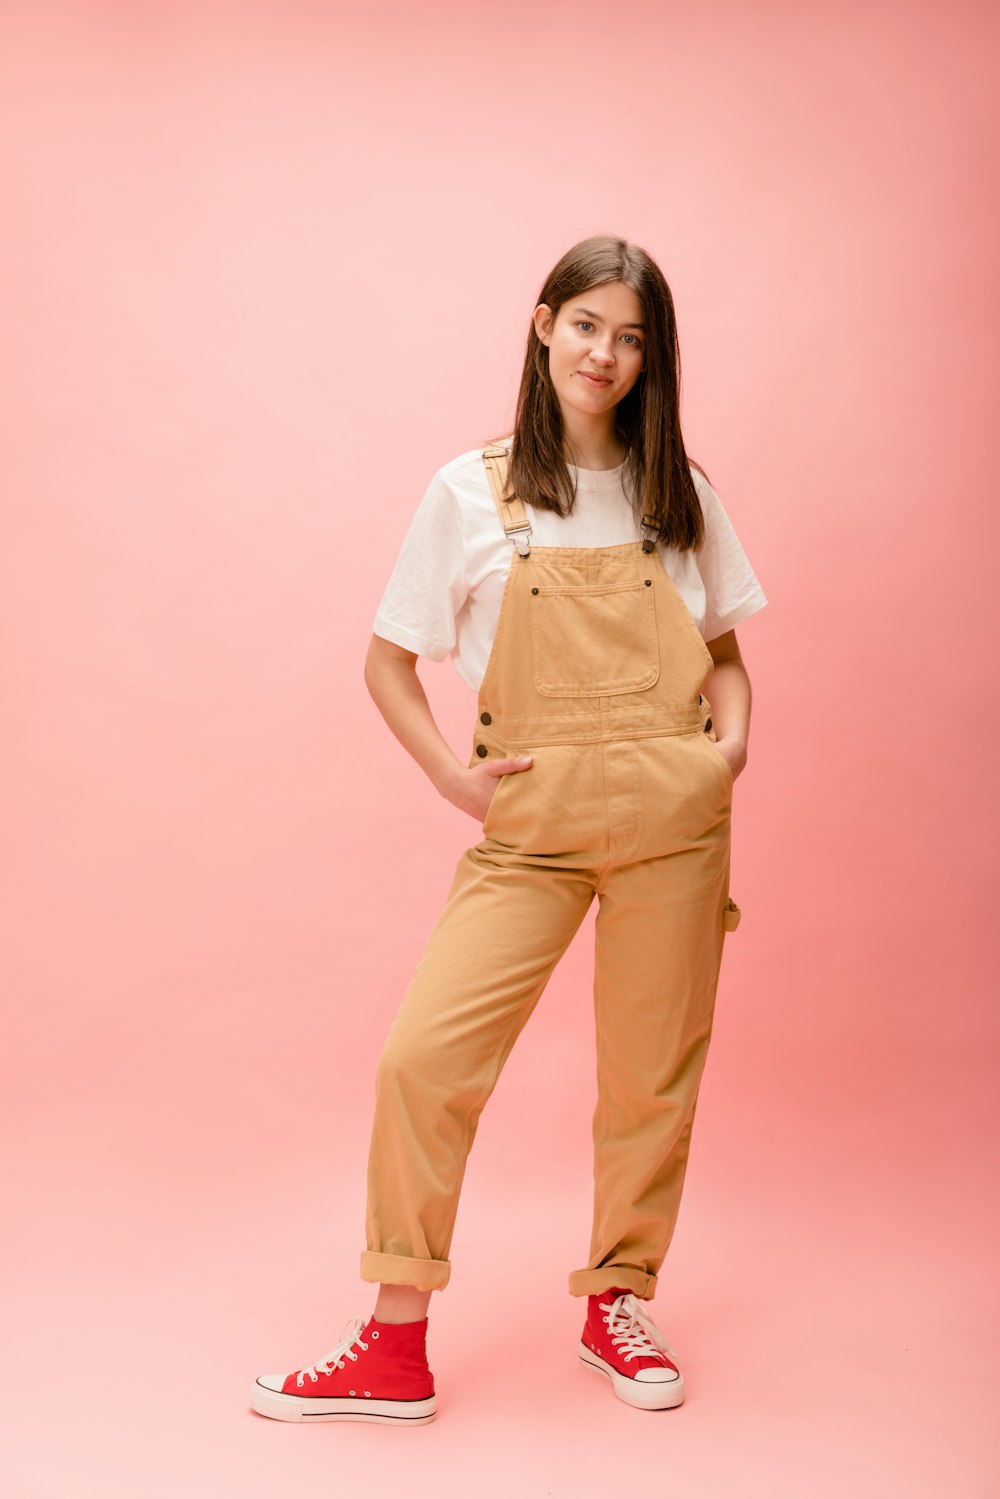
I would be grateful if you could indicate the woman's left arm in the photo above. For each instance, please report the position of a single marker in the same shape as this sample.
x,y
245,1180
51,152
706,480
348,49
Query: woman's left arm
x,y
728,690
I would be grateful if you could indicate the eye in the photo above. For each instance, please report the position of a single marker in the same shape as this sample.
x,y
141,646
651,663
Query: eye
x,y
582,323
636,341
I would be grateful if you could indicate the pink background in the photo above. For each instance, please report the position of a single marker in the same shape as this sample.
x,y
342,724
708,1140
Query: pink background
x,y
266,268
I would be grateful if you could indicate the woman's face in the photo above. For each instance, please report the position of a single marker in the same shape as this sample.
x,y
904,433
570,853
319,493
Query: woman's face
x,y
598,334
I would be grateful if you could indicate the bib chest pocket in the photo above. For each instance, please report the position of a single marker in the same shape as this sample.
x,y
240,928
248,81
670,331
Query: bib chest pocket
x,y
596,641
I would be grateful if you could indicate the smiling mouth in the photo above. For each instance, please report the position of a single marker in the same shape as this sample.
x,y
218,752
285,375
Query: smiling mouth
x,y
594,379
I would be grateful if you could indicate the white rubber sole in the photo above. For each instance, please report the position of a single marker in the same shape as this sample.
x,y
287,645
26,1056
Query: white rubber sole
x,y
646,1395
341,1408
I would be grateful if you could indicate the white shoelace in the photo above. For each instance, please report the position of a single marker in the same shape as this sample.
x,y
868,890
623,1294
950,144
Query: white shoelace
x,y
632,1329
335,1358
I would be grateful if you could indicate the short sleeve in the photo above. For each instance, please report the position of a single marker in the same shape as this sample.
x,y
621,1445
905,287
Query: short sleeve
x,y
428,585
732,592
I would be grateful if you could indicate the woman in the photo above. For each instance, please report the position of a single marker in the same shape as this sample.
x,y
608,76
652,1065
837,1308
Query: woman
x,y
574,570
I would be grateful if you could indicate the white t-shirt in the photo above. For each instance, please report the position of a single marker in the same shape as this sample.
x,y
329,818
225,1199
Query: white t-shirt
x,y
443,596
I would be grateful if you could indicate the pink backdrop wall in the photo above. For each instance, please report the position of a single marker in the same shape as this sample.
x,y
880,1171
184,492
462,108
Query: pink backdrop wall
x,y
266,268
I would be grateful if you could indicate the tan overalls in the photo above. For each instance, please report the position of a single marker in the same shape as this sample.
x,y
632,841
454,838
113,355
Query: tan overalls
x,y
595,670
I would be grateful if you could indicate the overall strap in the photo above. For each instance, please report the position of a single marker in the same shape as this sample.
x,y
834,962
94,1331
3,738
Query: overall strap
x,y
511,511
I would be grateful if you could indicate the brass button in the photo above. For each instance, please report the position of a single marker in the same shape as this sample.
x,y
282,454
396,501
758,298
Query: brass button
x,y
649,582
486,718
708,724
534,590
481,751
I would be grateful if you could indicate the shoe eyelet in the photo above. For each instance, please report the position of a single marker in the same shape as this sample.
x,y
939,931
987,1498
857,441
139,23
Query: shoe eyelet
x,y
354,1392
374,1334
364,1346
368,1392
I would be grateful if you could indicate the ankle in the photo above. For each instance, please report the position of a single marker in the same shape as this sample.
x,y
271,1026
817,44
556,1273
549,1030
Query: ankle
x,y
401,1304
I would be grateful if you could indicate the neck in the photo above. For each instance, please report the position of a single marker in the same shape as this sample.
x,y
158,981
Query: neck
x,y
591,442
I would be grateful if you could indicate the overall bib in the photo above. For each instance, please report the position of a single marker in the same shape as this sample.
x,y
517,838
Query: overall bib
x,y
595,670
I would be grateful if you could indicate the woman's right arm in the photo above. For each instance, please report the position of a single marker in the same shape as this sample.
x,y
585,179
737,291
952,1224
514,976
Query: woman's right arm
x,y
398,693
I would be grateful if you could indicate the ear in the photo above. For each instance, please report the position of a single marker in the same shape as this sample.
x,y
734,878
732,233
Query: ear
x,y
542,319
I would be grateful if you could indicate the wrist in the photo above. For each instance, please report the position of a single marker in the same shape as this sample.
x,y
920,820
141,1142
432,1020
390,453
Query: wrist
x,y
736,748
446,778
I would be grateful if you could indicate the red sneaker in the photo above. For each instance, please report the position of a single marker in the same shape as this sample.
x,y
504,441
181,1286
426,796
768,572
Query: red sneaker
x,y
621,1341
377,1372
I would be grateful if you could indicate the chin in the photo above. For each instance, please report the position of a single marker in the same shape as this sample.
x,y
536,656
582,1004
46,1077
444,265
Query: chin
x,y
587,394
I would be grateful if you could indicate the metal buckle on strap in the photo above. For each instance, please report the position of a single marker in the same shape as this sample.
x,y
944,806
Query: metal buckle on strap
x,y
649,531
519,536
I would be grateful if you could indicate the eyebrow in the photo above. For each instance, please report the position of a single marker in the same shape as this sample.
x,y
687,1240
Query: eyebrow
x,y
598,319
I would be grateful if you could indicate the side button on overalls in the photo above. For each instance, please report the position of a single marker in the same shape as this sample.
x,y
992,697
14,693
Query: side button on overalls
x,y
596,671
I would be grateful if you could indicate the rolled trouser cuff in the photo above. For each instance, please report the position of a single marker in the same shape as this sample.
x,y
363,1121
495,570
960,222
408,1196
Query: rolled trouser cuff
x,y
595,1282
400,1270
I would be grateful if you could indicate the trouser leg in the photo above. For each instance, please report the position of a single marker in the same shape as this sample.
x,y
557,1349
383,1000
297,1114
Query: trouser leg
x,y
659,940
503,929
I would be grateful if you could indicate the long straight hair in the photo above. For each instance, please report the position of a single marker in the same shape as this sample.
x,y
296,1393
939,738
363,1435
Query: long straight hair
x,y
657,473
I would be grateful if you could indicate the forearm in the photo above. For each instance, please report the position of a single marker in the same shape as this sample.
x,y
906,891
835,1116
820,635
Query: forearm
x,y
399,695
728,690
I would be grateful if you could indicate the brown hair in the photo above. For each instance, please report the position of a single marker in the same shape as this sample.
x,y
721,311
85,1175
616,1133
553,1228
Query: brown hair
x,y
657,473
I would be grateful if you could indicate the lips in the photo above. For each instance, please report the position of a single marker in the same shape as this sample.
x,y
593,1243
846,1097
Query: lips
x,y
594,379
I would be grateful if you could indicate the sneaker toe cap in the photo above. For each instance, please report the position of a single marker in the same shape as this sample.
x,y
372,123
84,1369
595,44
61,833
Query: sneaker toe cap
x,y
273,1382
661,1375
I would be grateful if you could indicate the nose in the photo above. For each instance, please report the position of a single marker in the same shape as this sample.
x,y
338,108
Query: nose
x,y
602,356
